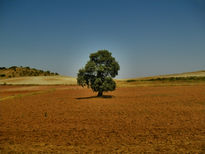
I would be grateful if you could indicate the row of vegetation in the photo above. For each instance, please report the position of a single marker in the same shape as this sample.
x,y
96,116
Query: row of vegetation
x,y
190,78
21,71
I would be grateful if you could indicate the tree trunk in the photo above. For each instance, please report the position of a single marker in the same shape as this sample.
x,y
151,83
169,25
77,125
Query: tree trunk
x,y
100,93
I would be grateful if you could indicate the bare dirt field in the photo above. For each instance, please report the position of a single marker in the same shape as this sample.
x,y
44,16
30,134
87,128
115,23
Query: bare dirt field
x,y
70,119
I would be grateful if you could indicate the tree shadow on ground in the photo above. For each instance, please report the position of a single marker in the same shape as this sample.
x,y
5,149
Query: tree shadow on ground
x,y
90,97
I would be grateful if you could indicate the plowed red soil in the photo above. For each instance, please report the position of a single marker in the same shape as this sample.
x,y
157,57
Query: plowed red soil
x,y
71,119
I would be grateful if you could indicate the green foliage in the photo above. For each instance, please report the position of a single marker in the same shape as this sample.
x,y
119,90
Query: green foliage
x,y
2,68
98,72
2,75
13,68
131,80
15,71
190,78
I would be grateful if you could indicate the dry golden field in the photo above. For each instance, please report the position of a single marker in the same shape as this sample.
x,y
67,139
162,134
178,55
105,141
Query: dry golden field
x,y
39,80
70,119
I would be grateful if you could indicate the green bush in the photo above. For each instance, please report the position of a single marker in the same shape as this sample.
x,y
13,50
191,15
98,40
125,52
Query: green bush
x,y
13,68
191,78
131,80
2,75
2,68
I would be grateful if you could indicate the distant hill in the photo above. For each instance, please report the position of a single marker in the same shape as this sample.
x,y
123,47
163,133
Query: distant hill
x,y
15,71
188,78
31,76
198,74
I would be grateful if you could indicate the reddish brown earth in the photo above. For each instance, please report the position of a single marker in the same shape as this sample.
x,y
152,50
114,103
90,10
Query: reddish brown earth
x,y
70,119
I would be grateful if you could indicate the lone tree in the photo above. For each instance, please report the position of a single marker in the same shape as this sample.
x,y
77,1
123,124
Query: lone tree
x,y
99,71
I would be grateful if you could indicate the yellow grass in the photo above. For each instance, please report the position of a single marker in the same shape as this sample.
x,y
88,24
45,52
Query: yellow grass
x,y
187,74
65,80
40,80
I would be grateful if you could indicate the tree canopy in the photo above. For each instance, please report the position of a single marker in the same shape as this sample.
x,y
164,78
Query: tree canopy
x,y
98,72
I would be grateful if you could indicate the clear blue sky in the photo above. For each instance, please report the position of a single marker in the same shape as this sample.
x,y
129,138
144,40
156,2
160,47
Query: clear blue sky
x,y
147,37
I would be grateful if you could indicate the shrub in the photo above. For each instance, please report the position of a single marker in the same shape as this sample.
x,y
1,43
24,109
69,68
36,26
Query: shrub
x,y
2,75
13,68
2,68
131,80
